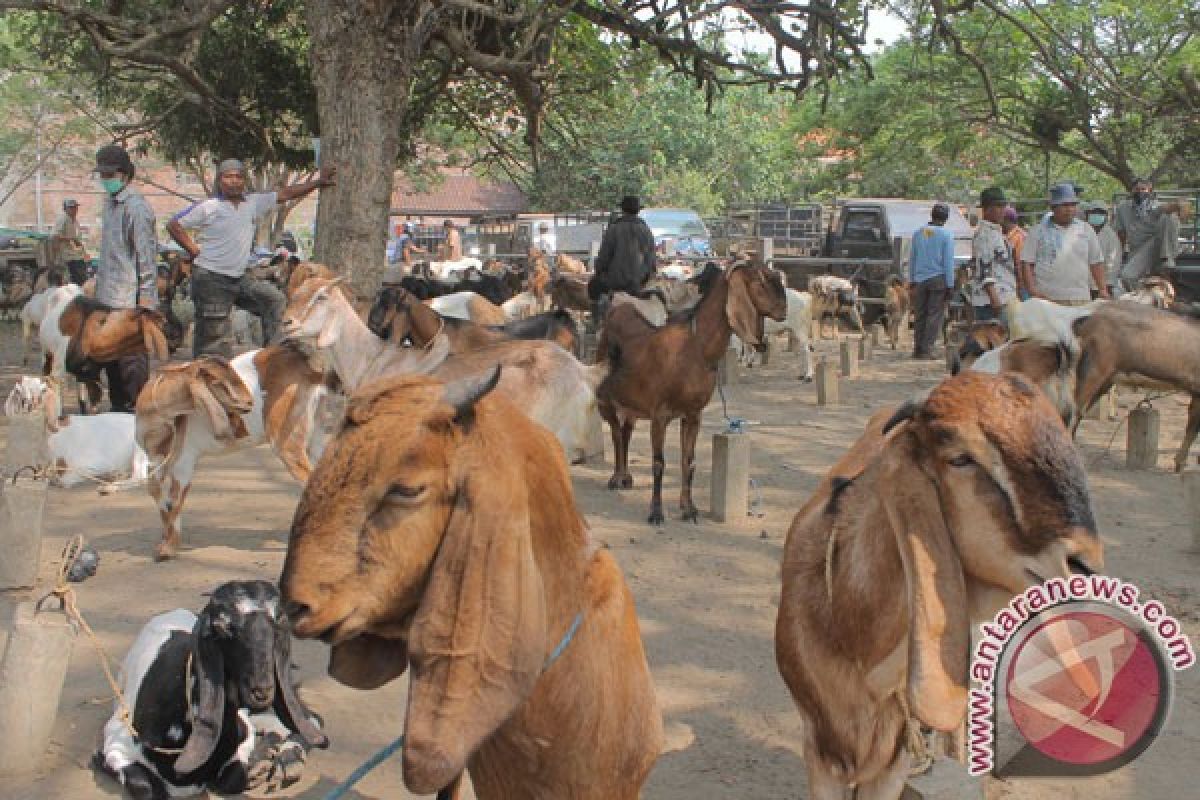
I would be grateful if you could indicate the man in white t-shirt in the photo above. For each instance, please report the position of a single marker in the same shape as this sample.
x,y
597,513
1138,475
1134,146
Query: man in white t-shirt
x,y
546,241
224,227
1063,253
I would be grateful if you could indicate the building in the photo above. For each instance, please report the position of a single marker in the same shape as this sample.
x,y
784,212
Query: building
x,y
459,196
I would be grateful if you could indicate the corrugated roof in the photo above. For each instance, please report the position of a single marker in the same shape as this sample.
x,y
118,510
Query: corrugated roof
x,y
459,195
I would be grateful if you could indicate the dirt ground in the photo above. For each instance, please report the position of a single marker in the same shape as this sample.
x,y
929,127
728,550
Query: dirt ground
x,y
707,594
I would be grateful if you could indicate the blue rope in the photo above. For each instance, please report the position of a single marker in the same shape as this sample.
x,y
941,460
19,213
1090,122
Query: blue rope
x,y
389,750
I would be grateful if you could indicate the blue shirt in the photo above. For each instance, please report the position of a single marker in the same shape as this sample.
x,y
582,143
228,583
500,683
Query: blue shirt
x,y
932,255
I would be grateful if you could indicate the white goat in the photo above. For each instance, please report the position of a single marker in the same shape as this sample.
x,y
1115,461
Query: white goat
x,y
835,296
796,325
470,306
99,447
32,314
54,341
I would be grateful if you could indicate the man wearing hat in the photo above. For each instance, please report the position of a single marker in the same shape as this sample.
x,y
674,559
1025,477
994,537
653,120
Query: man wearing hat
x,y
626,259
221,253
1063,253
930,279
993,281
69,255
128,264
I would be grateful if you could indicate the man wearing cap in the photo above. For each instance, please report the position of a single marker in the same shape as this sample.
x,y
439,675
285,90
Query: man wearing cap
x,y
930,279
1062,253
128,270
1148,233
626,259
221,253
69,255
1110,245
993,281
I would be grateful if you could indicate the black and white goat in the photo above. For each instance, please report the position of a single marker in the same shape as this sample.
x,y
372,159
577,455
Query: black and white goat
x,y
212,703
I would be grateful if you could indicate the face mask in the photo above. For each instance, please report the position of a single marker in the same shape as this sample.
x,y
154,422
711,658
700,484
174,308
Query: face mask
x,y
1141,197
1097,220
112,185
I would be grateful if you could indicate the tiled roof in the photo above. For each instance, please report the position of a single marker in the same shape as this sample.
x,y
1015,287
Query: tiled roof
x,y
459,195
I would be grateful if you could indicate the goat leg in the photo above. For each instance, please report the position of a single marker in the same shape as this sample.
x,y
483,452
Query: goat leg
x,y
689,429
1189,433
658,433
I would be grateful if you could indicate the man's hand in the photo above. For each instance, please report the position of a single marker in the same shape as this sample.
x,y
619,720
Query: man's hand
x,y
327,177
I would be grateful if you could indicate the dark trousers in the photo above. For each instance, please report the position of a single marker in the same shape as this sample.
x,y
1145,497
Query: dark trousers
x,y
216,295
929,311
126,377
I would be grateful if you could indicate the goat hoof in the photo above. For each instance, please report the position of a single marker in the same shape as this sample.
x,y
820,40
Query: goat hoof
x,y
626,481
691,515
656,517
165,551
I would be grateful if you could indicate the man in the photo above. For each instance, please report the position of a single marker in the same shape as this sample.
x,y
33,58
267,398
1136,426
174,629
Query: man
x,y
1015,235
127,273
626,259
1062,252
452,247
68,254
406,248
993,281
546,241
221,253
1148,234
930,279
1110,246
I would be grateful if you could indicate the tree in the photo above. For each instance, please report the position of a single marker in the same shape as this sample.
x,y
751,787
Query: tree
x,y
377,65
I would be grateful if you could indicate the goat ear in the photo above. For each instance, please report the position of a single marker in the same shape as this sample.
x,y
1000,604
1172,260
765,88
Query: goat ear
x,y
208,697
154,339
333,325
939,631
464,393
478,640
368,661
743,317
206,401
287,704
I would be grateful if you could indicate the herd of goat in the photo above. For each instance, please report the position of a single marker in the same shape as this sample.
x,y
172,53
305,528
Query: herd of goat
x,y
415,548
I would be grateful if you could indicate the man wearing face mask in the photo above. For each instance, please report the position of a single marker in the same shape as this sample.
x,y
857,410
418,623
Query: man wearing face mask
x,y
127,272
1097,216
1148,233
221,254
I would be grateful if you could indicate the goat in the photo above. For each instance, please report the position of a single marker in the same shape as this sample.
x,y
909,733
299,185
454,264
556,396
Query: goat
x,y
663,373
522,306
896,302
833,296
928,525
211,406
101,447
569,264
451,270
213,705
796,325
1051,367
32,314
549,383
570,293
97,334
650,305
396,317
468,305
292,274
1157,292
414,547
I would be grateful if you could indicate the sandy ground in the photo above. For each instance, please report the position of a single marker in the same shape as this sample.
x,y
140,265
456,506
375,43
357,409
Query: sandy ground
x,y
707,594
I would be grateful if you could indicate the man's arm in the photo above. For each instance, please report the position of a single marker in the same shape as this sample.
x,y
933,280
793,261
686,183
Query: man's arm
x,y
327,177
648,249
145,249
182,238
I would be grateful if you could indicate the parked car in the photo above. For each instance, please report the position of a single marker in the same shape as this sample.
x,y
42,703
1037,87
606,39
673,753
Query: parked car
x,y
678,232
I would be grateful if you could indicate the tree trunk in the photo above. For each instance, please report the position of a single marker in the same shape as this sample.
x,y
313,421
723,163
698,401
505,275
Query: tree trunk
x,y
354,44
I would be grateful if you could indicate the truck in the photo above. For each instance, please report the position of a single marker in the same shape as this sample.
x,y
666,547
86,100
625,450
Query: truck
x,y
865,240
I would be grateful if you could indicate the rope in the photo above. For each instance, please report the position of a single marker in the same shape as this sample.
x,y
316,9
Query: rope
x,y
914,740
394,746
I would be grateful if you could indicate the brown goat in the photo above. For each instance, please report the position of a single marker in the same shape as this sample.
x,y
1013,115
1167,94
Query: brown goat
x,y
95,334
570,293
933,520
896,303
663,373
414,547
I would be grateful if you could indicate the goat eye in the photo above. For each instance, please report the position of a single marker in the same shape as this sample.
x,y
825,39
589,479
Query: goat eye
x,y
400,491
961,460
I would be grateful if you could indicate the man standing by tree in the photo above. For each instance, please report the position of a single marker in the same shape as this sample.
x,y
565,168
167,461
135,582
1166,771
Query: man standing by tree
x,y
127,273
626,259
1097,216
993,270
1149,234
930,279
69,255
1061,251
221,254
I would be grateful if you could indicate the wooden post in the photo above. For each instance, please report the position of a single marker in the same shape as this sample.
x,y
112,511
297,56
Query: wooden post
x,y
593,252
730,476
865,348
827,383
849,359
771,343
32,673
1191,495
1141,444
727,368
21,507
876,335
766,251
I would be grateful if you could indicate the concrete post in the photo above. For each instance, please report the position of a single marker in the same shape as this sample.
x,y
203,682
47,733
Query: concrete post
x,y
27,445
32,672
849,359
865,348
1191,495
827,383
489,249
1141,448
21,507
727,369
730,476
766,251
593,252
876,335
